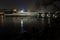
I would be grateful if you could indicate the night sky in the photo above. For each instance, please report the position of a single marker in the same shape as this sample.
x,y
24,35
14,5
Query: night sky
x,y
14,3
23,3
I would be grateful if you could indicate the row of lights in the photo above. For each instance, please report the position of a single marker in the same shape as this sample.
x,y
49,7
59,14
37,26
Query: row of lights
x,y
48,15
43,14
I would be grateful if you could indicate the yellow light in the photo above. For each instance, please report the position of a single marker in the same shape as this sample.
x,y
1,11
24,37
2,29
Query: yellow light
x,y
14,10
2,18
1,12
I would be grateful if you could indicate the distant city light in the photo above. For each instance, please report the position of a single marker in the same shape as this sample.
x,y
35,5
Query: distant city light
x,y
48,15
22,11
14,10
55,16
42,14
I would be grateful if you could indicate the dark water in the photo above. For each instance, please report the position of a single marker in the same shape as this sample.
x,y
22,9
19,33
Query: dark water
x,y
33,28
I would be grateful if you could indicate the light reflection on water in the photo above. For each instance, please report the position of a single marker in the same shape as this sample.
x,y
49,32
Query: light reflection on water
x,y
1,19
14,23
17,20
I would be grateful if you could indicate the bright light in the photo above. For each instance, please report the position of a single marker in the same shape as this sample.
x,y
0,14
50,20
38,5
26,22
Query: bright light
x,y
55,16
14,10
48,15
22,11
42,14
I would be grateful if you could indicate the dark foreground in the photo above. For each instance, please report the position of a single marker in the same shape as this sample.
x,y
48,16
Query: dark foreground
x,y
35,30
